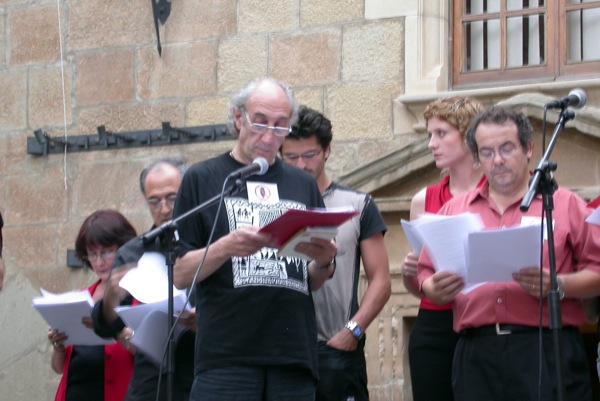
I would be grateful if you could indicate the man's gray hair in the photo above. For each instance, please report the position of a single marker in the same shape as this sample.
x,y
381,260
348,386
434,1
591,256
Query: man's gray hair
x,y
239,101
179,164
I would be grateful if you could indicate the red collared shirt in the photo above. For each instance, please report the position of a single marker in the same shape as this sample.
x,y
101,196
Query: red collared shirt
x,y
577,247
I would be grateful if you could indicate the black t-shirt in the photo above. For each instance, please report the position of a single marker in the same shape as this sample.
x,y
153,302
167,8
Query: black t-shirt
x,y
254,310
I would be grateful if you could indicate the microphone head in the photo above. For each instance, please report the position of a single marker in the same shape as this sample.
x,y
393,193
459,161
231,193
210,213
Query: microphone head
x,y
581,97
262,163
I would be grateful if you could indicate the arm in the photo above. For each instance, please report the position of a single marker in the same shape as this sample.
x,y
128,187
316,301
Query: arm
x,y
105,320
582,284
409,267
187,319
321,268
241,242
442,287
114,293
123,338
417,204
379,289
57,339
58,359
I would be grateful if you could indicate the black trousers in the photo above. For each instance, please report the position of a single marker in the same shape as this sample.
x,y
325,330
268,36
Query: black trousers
x,y
430,355
342,375
506,367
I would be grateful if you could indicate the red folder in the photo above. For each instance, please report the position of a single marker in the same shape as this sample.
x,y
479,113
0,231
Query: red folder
x,y
293,220
595,203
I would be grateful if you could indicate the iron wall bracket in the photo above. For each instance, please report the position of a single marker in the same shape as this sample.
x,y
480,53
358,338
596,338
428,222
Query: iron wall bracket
x,y
41,144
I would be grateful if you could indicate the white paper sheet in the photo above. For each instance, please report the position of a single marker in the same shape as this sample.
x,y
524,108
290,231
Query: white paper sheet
x,y
594,218
152,335
459,244
495,254
133,316
64,313
412,236
148,282
445,238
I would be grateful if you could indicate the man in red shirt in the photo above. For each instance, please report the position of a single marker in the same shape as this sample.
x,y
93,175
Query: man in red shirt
x,y
497,354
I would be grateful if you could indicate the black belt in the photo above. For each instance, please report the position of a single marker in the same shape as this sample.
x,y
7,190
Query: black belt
x,y
499,329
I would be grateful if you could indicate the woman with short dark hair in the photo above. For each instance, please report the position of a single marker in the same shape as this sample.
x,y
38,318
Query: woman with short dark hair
x,y
95,373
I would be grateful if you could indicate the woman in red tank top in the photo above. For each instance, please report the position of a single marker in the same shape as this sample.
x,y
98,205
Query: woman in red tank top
x,y
432,341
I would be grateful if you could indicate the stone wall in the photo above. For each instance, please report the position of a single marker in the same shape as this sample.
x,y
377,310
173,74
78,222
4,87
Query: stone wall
x,y
88,63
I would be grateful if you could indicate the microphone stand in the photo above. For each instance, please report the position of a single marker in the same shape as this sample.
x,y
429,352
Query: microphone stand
x,y
543,182
167,231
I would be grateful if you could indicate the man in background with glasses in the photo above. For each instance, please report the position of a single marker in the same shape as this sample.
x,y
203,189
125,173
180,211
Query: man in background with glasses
x,y
497,355
159,184
341,320
256,322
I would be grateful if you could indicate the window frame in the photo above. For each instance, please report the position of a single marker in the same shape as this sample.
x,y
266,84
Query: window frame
x,y
556,66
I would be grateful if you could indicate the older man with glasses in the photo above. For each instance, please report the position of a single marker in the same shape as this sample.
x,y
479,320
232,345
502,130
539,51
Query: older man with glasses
x,y
159,184
256,327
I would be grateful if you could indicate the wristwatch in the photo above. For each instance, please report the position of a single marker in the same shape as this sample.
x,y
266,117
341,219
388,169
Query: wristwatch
x,y
356,330
559,287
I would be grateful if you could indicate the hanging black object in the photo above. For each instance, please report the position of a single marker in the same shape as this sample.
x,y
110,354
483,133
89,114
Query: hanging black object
x,y
161,9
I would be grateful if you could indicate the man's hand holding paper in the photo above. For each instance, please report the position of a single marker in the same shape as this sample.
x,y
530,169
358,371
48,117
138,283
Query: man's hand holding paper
x,y
529,279
443,286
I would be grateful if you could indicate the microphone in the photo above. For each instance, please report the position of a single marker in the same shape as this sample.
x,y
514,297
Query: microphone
x,y
259,166
575,99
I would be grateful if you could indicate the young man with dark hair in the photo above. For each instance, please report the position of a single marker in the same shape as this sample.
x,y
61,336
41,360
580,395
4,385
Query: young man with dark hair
x,y
341,319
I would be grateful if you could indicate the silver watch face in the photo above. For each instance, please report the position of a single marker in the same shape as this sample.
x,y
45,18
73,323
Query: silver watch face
x,y
355,329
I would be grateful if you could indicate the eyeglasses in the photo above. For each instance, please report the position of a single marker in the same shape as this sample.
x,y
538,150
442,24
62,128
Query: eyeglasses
x,y
261,129
293,157
505,151
104,255
156,203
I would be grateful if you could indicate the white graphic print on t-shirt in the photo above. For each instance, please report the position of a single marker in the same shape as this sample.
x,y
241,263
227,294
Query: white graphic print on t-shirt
x,y
264,267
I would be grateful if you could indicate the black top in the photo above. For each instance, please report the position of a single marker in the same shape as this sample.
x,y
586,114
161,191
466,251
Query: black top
x,y
254,310
86,374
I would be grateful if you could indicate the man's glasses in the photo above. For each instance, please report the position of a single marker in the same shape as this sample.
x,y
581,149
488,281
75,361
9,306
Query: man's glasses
x,y
261,129
506,151
104,255
156,203
294,157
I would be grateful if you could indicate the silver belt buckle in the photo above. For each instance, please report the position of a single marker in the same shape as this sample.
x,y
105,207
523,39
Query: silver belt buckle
x,y
501,332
